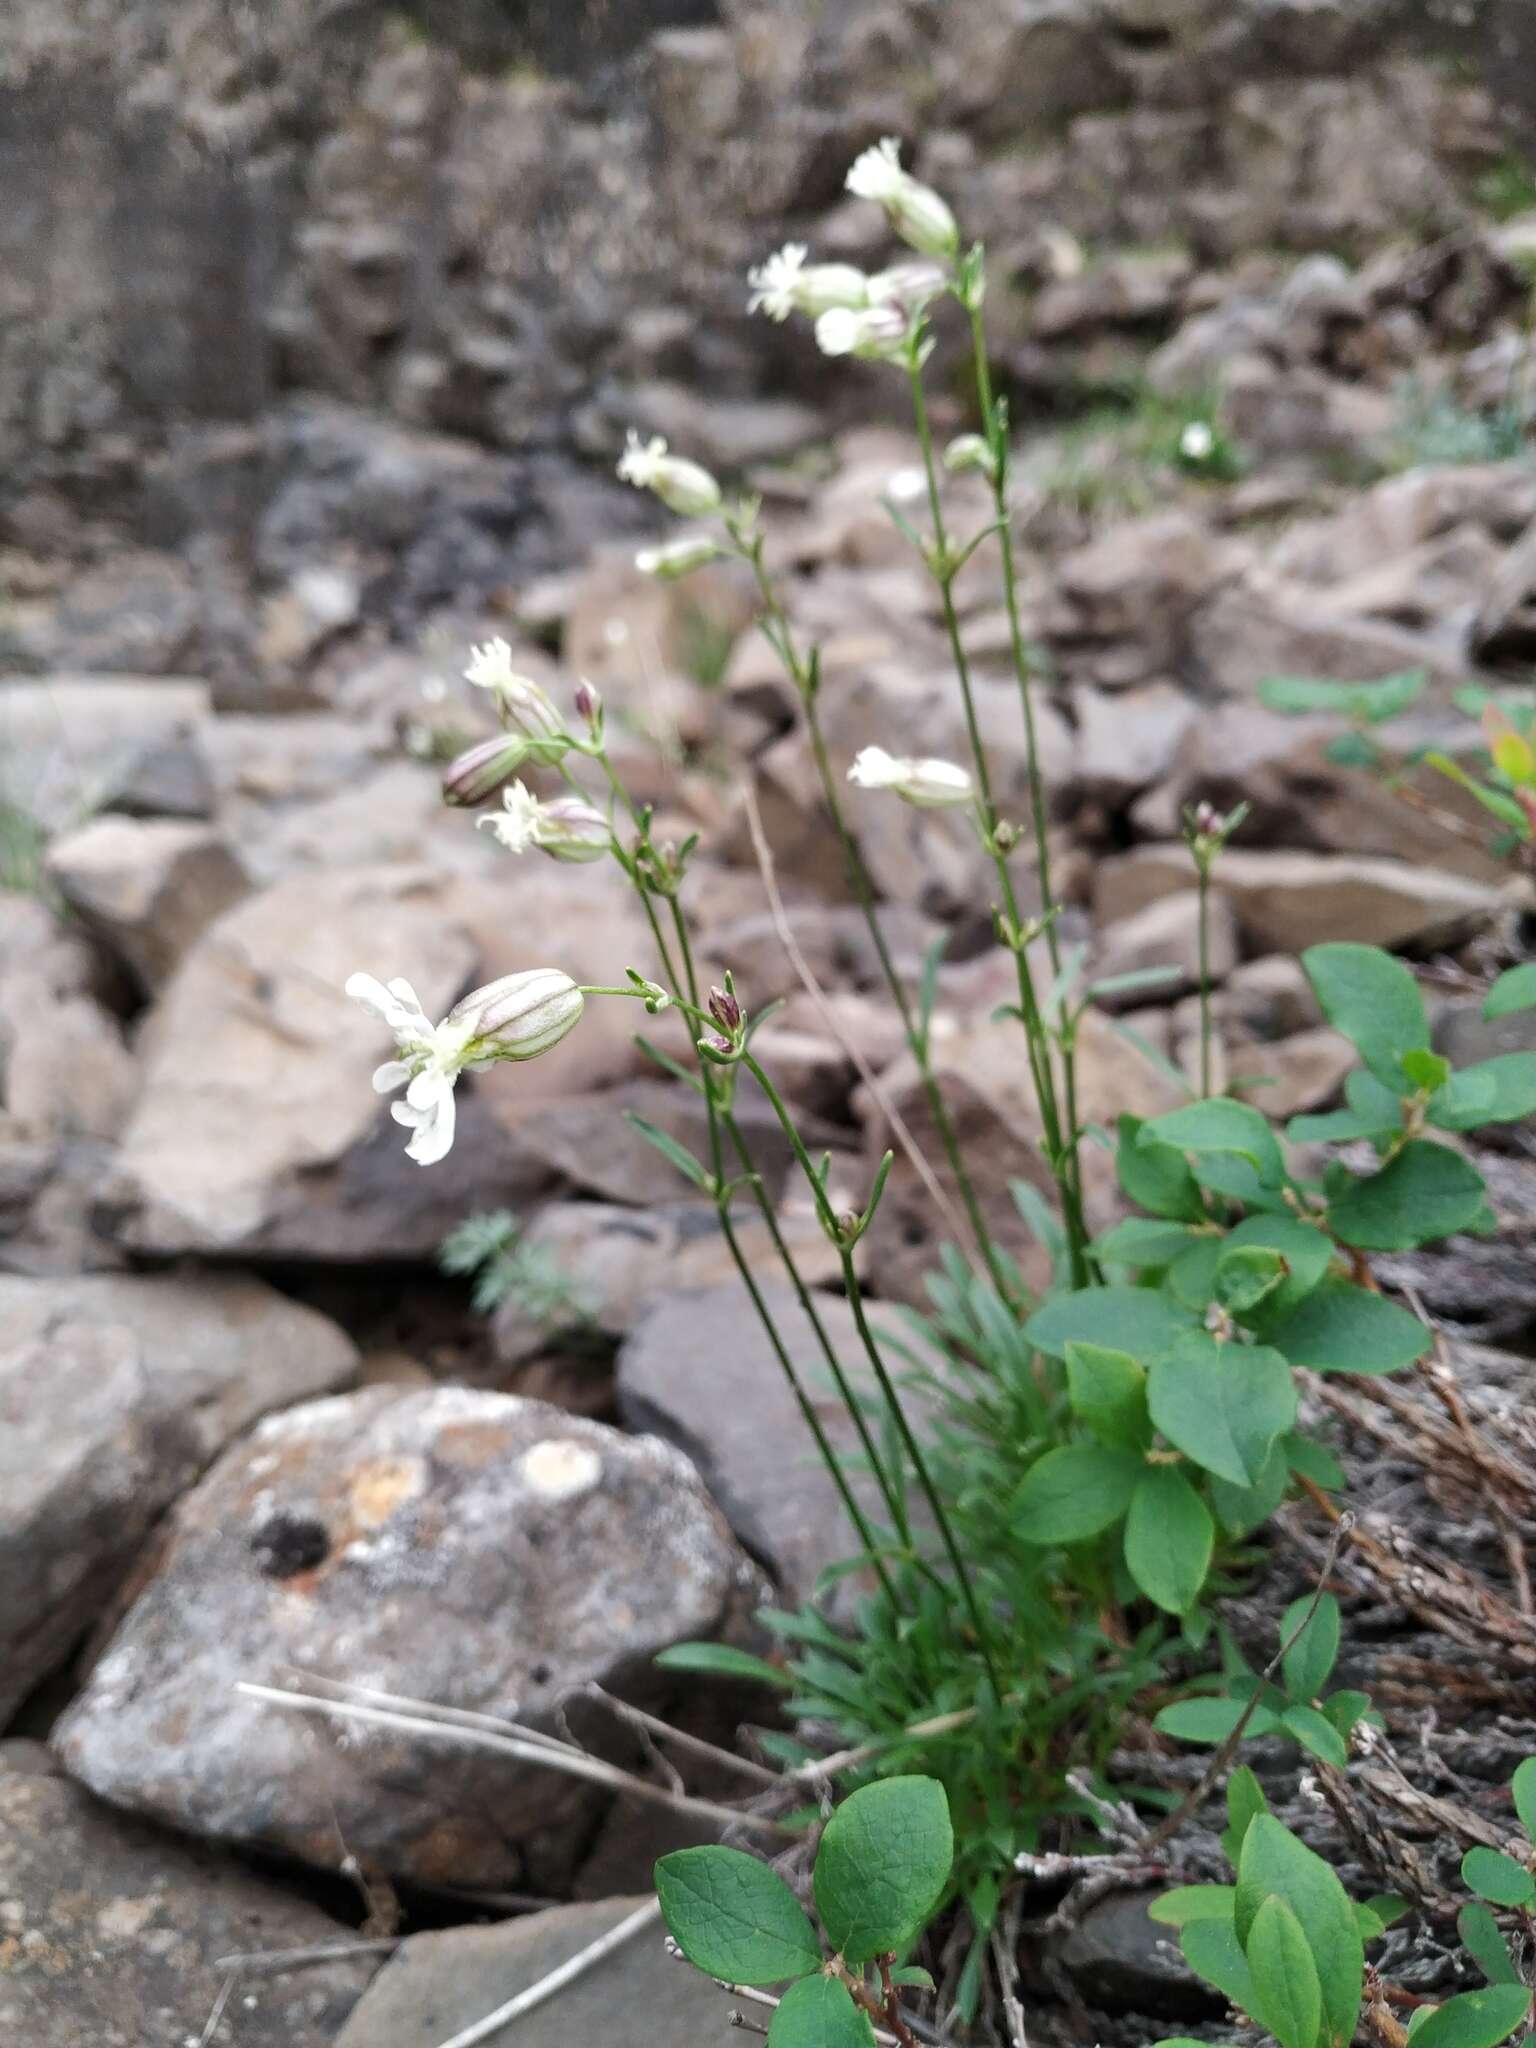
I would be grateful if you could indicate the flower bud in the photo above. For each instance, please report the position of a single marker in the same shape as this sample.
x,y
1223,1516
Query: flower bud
x,y
908,286
678,557
683,487
927,783
915,211
878,333
572,829
969,454
725,1010
482,769
786,284
521,1015
524,705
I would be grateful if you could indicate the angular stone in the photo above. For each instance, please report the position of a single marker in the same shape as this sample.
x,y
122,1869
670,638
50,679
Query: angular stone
x,y
148,887
1260,627
1166,934
464,1548
1128,739
591,1143
1141,581
77,732
64,1069
1288,901
436,1984
115,1392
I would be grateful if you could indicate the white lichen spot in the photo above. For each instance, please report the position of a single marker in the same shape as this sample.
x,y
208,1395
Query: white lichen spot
x,y
560,1468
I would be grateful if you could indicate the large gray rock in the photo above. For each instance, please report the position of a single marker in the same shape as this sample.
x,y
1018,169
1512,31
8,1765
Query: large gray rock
x,y
1166,934
436,1984
69,738
148,887
113,1933
115,1392
469,1549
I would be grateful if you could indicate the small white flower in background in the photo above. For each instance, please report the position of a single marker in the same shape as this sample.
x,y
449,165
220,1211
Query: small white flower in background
x,y
515,1018
908,286
678,557
915,211
787,284
683,487
521,701
969,454
1196,442
569,828
928,783
876,333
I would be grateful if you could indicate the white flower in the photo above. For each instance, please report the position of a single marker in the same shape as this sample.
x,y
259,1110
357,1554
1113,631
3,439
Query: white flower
x,y
876,332
568,829
908,286
1196,441
684,487
521,701
927,783
515,1018
915,211
678,557
785,284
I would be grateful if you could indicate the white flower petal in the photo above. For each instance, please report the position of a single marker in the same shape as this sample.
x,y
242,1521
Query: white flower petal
x,y
432,1139
392,1075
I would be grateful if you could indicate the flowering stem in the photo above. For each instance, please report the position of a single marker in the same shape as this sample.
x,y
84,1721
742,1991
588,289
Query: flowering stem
x,y
997,441
1203,869
1062,1147
782,640
844,1242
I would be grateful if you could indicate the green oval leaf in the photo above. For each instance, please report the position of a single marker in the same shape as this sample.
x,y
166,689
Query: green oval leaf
x,y
1314,1731
1212,1950
1477,2019
1220,1125
1131,1319
1156,1177
1223,1405
1485,1944
734,1918
1523,1786
1108,1392
1374,1000
1493,1875
1212,1720
1514,990
1501,1090
719,1660
1074,1492
1169,1536
1284,1976
1427,1191
883,1865
1312,1656
1246,1275
1187,1902
1275,1862
819,2013
1344,1328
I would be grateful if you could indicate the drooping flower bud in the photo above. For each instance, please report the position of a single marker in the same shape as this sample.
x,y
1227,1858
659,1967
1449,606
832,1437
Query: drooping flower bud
x,y
878,333
787,284
969,454
523,705
908,286
569,828
482,769
915,211
725,1010
683,487
521,1015
678,558
927,783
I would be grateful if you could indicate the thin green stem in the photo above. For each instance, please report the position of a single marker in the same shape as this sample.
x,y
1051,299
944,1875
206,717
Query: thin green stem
x,y
883,1379
1062,1147
782,638
1204,872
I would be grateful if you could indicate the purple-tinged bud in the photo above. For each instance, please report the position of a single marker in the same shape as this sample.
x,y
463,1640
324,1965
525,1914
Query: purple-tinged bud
x,y
589,705
482,769
725,1010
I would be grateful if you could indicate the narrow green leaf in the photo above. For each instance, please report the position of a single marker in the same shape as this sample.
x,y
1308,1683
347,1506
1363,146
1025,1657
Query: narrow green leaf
x,y
733,1917
1475,2019
670,1150
1188,1902
1374,1000
1426,1192
1495,1876
1108,1392
1284,1975
1274,1861
1074,1492
1220,1125
1156,1177
1523,1786
1484,1942
1169,1536
1223,1405
1514,990
915,1975
883,1865
720,1660
1344,1328
818,2012
1310,1659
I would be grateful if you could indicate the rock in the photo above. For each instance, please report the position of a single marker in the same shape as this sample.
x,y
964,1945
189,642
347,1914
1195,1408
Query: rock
x,y
727,435
700,1370
1141,581
1293,411
1504,628
114,1934
72,736
1267,999
1140,288
1166,934
148,887
1465,1036
1261,626
619,1259
469,1549
436,1984
1129,739
1121,1960
169,779
1288,901
115,1393
64,1069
